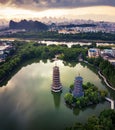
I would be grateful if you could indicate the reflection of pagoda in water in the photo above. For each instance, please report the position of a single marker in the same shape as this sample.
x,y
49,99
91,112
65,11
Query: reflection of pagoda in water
x,y
56,85
78,90
57,99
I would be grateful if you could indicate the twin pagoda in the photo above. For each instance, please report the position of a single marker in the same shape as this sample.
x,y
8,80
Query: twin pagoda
x,y
78,90
57,86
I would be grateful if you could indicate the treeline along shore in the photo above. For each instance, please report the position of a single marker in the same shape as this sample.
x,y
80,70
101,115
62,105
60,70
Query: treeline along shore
x,y
55,36
26,51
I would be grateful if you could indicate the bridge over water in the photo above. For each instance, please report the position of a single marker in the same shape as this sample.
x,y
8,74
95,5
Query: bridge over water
x,y
111,101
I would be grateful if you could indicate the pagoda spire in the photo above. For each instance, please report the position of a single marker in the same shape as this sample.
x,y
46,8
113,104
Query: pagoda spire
x,y
55,63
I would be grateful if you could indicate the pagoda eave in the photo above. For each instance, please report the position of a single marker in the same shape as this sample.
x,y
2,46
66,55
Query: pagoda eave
x,y
55,89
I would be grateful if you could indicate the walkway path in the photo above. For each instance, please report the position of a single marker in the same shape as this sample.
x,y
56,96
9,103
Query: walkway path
x,y
101,76
105,81
111,101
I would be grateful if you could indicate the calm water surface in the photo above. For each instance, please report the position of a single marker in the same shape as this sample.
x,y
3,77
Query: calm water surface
x,y
26,102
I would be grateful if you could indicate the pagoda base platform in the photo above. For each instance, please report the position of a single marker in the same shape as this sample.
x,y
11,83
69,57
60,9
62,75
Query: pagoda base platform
x,y
56,90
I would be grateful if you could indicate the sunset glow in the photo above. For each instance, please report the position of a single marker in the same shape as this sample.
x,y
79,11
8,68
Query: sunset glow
x,y
8,12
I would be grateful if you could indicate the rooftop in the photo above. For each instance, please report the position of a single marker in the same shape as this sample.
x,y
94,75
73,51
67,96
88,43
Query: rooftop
x,y
79,78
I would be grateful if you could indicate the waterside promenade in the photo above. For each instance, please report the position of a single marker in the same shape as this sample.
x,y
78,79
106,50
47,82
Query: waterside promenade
x,y
105,81
111,101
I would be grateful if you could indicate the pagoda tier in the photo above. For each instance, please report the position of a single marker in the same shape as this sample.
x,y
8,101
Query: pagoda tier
x,y
78,90
56,85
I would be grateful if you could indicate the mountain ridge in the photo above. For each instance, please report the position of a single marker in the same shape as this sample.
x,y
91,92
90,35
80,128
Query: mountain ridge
x,y
28,25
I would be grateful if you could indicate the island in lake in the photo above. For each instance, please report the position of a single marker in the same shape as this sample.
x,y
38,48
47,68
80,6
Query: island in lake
x,y
83,95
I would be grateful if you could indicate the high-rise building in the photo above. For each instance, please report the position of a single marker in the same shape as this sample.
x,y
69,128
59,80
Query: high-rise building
x,y
56,85
78,90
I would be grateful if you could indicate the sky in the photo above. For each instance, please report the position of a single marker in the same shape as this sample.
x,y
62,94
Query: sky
x,y
99,10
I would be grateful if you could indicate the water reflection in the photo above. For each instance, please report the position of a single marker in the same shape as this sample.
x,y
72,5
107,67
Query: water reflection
x,y
15,71
57,99
72,64
26,101
76,111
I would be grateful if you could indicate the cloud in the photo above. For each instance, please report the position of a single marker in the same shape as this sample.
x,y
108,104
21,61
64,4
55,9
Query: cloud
x,y
3,1
45,4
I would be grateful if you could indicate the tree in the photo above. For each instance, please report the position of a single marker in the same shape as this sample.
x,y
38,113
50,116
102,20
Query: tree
x,y
68,98
105,121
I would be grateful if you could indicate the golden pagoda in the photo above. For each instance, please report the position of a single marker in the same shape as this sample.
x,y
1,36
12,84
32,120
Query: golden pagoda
x,y
56,85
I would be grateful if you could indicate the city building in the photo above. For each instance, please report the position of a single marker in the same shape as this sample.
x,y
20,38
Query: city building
x,y
109,54
93,52
112,61
5,50
56,85
78,90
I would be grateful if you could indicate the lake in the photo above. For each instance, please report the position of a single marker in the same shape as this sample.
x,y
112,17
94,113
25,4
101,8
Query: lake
x,y
27,103
69,44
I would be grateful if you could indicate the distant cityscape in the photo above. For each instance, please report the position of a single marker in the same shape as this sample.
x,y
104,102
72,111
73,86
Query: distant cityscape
x,y
67,27
81,26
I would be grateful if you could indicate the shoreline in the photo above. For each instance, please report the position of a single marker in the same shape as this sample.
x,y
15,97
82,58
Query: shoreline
x,y
51,39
